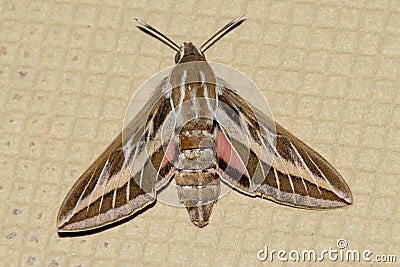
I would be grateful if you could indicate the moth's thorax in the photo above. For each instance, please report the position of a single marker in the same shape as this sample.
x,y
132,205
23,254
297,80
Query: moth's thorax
x,y
192,81
188,52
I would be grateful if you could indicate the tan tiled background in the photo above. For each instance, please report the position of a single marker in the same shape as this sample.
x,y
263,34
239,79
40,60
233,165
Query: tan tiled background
x,y
329,69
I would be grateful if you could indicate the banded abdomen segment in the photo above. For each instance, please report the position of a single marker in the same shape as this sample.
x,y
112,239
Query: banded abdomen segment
x,y
198,191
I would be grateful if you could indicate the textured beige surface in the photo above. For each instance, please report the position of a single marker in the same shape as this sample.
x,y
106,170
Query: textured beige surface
x,y
329,69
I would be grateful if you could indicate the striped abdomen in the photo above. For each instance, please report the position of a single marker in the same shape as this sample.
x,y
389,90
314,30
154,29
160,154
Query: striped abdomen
x,y
197,181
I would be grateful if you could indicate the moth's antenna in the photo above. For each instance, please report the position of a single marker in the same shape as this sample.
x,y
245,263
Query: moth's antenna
x,y
222,32
150,30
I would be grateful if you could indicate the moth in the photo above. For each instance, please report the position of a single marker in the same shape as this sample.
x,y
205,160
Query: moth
x,y
199,154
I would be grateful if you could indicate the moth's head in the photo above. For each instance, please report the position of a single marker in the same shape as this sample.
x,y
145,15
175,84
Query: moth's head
x,y
188,52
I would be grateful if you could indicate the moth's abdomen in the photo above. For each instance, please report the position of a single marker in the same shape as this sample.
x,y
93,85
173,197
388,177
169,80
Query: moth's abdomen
x,y
198,191
197,182
200,215
196,188
197,146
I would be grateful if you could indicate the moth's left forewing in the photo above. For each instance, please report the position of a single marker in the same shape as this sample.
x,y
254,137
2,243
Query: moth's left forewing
x,y
126,177
278,165
105,193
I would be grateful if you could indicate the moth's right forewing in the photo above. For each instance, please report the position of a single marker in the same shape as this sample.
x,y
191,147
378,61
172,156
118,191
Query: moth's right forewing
x,y
301,177
290,172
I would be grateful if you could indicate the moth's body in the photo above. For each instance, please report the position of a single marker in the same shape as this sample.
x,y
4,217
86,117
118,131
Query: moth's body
x,y
205,146
197,181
